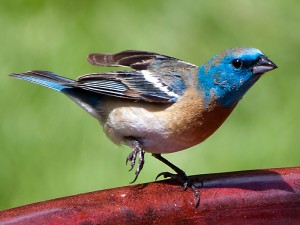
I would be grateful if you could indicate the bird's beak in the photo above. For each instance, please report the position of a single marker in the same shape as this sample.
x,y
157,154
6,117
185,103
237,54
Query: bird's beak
x,y
263,65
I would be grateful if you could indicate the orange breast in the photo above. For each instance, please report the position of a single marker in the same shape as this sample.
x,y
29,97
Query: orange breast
x,y
191,123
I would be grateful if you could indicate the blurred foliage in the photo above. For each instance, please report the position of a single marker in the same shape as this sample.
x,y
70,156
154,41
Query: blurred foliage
x,y
49,147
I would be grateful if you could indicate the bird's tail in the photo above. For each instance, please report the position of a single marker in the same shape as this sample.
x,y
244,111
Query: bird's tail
x,y
44,78
86,99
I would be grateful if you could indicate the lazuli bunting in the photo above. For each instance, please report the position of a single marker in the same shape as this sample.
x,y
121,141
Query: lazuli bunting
x,y
164,104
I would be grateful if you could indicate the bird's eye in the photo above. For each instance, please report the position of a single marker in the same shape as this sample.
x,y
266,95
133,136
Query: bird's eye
x,y
237,63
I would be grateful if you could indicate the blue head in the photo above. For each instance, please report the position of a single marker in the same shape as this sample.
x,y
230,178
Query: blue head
x,y
226,77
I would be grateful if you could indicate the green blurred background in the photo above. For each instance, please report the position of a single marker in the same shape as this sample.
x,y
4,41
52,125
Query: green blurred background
x,y
49,147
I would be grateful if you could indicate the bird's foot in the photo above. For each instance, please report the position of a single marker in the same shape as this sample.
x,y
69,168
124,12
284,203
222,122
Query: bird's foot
x,y
184,180
180,176
139,152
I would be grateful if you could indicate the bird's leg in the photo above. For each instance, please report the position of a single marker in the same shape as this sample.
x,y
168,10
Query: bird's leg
x,y
180,176
139,152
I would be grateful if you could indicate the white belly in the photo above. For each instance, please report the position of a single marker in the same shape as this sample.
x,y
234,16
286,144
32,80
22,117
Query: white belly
x,y
151,129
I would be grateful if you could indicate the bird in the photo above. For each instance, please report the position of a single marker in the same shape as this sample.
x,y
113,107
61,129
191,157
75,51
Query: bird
x,y
163,104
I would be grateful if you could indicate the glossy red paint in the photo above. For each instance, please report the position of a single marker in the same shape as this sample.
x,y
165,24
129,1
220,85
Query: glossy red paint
x,y
250,197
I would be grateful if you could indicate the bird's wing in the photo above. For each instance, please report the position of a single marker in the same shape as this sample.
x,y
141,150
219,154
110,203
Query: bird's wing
x,y
157,78
138,85
139,60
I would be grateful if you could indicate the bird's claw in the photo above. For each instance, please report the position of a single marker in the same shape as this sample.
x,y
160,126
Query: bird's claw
x,y
131,157
165,175
136,152
184,180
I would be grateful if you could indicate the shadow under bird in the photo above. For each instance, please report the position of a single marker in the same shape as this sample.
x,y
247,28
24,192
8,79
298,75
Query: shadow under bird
x,y
163,104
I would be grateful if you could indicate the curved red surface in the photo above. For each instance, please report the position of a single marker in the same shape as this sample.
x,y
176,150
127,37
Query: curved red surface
x,y
250,197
